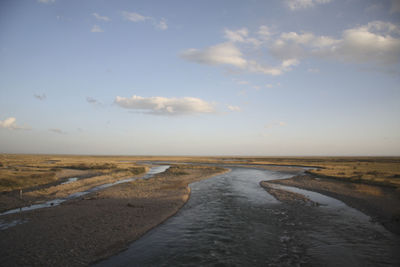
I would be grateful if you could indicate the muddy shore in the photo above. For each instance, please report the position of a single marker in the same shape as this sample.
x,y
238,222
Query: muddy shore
x,y
381,203
88,229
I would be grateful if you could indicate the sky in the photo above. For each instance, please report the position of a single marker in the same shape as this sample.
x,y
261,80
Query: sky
x,y
240,78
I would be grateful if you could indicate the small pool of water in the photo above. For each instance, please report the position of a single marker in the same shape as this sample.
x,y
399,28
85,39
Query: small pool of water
x,y
70,180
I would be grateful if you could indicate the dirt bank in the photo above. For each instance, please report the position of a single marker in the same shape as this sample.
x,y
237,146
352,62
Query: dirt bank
x,y
287,196
82,231
381,203
43,193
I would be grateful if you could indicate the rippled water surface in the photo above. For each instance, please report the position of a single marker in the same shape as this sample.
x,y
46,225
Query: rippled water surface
x,y
231,221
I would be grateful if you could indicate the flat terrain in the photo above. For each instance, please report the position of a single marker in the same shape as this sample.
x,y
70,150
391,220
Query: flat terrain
x,y
24,171
31,171
100,224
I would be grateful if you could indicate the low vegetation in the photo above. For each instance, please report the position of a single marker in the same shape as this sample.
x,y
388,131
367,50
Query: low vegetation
x,y
24,171
369,170
27,171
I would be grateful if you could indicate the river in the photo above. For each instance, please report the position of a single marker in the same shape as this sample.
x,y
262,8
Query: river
x,y
230,220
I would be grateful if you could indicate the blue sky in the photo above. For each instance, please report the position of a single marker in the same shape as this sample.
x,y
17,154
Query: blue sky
x,y
295,77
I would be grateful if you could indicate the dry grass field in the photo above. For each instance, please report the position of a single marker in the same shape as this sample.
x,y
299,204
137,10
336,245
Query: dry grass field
x,y
370,170
25,171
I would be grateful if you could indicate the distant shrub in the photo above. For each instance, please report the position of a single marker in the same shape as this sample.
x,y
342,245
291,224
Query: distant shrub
x,y
83,166
137,170
176,170
375,173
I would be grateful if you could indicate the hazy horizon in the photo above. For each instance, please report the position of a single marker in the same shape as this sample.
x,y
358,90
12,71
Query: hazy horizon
x,y
207,78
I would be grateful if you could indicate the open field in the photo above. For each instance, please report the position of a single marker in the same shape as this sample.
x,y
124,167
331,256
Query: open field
x,y
371,170
100,224
24,171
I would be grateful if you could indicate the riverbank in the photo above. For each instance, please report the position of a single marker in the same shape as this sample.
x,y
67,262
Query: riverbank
x,y
381,203
82,181
85,230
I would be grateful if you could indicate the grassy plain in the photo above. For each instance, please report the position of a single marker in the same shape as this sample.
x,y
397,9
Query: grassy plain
x,y
102,223
369,170
25,171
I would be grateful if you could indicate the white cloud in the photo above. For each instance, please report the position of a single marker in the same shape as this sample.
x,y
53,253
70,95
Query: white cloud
x,y
40,97
254,66
10,123
234,108
264,32
229,54
220,54
236,36
360,45
304,4
57,131
374,43
162,25
309,39
381,26
165,106
136,17
395,8
96,28
103,18
46,1
285,66
240,36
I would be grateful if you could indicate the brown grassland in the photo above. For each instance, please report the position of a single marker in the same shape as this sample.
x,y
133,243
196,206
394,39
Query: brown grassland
x,y
100,224
25,171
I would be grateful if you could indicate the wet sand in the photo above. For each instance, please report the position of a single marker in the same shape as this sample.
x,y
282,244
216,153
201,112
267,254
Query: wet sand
x,y
381,203
85,230
287,196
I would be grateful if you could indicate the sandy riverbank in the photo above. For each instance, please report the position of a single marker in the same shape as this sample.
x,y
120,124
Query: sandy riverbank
x,y
381,203
43,193
82,231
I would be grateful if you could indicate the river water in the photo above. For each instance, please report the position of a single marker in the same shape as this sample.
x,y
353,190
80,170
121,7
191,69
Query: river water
x,y
230,220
